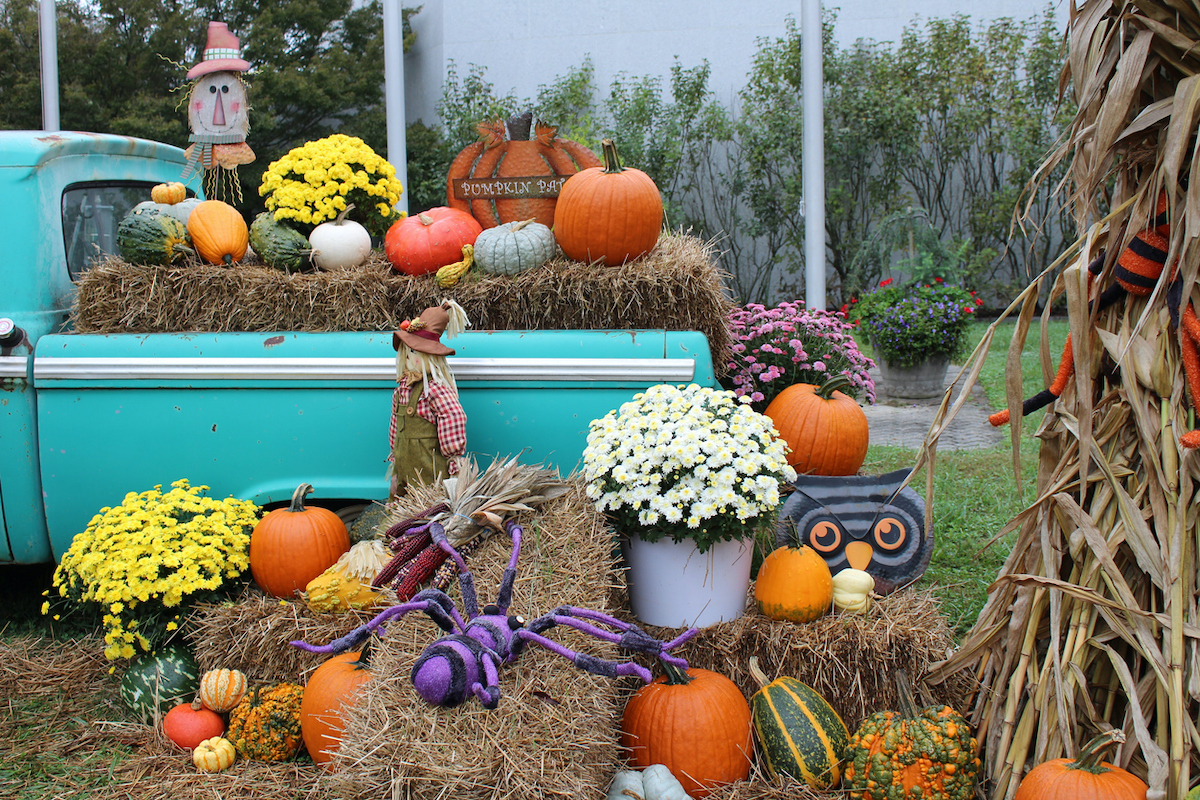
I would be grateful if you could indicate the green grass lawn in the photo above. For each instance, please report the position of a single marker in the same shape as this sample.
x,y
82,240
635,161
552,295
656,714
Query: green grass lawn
x,y
975,491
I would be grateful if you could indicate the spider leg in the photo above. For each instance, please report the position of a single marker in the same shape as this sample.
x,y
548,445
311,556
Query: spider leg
x,y
504,597
489,694
630,637
585,662
466,581
433,602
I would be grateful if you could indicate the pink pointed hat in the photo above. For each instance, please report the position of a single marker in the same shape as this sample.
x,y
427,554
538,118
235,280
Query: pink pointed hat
x,y
222,53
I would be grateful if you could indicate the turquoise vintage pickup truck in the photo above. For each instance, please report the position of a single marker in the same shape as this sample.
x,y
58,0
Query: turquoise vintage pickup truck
x,y
86,418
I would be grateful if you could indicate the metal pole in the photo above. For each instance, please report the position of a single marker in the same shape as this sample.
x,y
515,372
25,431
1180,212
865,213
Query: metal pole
x,y
813,155
393,95
48,38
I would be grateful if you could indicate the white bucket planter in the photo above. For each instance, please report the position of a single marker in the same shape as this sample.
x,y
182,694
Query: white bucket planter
x,y
673,585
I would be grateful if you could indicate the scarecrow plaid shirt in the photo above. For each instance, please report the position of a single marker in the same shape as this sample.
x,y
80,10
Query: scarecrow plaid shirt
x,y
437,404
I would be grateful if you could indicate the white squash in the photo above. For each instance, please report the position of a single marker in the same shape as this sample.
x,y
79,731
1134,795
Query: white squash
x,y
180,211
654,783
852,590
339,244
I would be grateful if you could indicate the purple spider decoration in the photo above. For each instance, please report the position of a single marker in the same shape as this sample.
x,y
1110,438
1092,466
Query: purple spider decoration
x,y
465,662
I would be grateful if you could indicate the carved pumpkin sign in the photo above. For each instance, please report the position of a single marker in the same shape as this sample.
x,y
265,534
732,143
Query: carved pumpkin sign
x,y
863,521
511,178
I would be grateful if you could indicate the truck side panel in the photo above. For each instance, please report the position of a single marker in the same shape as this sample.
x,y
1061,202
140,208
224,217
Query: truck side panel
x,y
253,415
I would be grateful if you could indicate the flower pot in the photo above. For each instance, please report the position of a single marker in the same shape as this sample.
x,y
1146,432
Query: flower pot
x,y
925,380
673,585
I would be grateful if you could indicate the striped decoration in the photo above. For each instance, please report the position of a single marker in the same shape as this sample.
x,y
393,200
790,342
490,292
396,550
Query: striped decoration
x,y
222,689
799,732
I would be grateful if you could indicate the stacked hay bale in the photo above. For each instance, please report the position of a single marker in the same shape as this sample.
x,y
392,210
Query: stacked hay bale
x,y
1093,622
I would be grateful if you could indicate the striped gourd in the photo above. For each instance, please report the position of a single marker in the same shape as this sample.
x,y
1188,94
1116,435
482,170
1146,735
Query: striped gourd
x,y
799,732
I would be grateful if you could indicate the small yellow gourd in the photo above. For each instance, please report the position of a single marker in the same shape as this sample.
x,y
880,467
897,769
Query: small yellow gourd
x,y
450,274
168,193
852,590
347,583
214,755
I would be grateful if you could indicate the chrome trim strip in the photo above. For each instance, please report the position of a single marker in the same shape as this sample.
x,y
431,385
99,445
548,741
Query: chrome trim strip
x,y
122,370
14,367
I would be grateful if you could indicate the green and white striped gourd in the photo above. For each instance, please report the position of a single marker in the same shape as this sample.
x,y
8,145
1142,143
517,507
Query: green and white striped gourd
x,y
514,247
151,238
159,681
799,732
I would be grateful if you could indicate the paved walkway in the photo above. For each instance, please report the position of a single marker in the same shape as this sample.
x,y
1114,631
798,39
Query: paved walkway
x,y
905,423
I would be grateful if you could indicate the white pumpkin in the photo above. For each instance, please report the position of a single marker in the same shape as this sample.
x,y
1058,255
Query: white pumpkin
x,y
654,783
180,211
514,247
339,244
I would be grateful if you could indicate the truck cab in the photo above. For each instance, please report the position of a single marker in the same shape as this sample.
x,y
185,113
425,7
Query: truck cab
x,y
87,418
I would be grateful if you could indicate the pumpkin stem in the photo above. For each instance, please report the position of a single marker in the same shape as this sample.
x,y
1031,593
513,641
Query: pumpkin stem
x,y
228,259
298,496
1088,759
612,162
516,226
425,219
341,217
196,704
837,382
756,672
364,658
519,127
676,676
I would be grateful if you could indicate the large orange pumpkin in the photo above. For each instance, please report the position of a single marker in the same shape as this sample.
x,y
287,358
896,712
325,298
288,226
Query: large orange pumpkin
x,y
611,214
825,429
517,156
697,724
794,583
330,689
292,545
1085,777
218,232
425,243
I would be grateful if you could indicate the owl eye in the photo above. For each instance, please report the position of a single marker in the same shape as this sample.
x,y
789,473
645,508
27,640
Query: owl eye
x,y
890,533
825,536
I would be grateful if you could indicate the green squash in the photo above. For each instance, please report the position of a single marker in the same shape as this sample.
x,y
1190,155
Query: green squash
x,y
514,247
280,245
156,682
151,238
799,732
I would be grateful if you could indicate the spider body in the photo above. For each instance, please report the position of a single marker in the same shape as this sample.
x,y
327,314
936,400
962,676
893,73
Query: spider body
x,y
465,662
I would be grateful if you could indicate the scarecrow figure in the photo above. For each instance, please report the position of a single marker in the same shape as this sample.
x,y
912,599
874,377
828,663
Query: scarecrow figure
x,y
218,113
428,431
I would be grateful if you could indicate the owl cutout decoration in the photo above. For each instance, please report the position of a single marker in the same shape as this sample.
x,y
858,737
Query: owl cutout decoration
x,y
864,521
218,114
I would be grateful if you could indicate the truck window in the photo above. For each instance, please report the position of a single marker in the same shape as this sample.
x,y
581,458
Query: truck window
x,y
90,215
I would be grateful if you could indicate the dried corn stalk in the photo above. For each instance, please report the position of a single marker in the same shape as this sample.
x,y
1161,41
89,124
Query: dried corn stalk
x,y
1092,623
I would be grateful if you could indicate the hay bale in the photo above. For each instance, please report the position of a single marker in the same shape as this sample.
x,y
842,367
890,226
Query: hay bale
x,y
675,287
555,731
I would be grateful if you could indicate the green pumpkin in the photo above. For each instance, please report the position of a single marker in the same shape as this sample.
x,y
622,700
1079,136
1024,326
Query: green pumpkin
x,y
151,238
280,245
799,732
514,247
159,681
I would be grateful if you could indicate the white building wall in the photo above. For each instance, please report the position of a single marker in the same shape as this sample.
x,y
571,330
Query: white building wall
x,y
524,44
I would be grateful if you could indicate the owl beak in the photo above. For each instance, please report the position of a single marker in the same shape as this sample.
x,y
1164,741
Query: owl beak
x,y
859,554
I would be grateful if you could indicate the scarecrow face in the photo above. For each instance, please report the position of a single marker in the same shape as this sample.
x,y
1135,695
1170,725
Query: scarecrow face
x,y
218,105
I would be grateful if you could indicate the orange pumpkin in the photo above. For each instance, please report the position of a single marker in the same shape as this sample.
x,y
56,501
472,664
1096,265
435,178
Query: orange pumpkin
x,y
1085,777
218,232
290,546
168,193
425,243
189,724
794,583
611,214
825,429
697,724
518,156
331,688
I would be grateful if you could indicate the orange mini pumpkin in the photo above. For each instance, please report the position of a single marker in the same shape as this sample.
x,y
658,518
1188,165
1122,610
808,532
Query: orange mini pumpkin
x,y
696,723
331,688
611,214
290,546
794,583
218,232
825,429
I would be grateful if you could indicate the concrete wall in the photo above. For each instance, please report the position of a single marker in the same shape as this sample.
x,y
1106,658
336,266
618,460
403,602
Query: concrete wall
x,y
527,43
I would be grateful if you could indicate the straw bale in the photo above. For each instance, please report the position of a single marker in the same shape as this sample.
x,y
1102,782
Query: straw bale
x,y
675,287
554,732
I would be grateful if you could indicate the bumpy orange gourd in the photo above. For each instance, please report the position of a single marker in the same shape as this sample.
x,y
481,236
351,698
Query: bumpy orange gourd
x,y
825,429
168,193
423,244
1085,777
265,726
697,724
290,546
794,583
331,688
222,689
218,232
610,214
